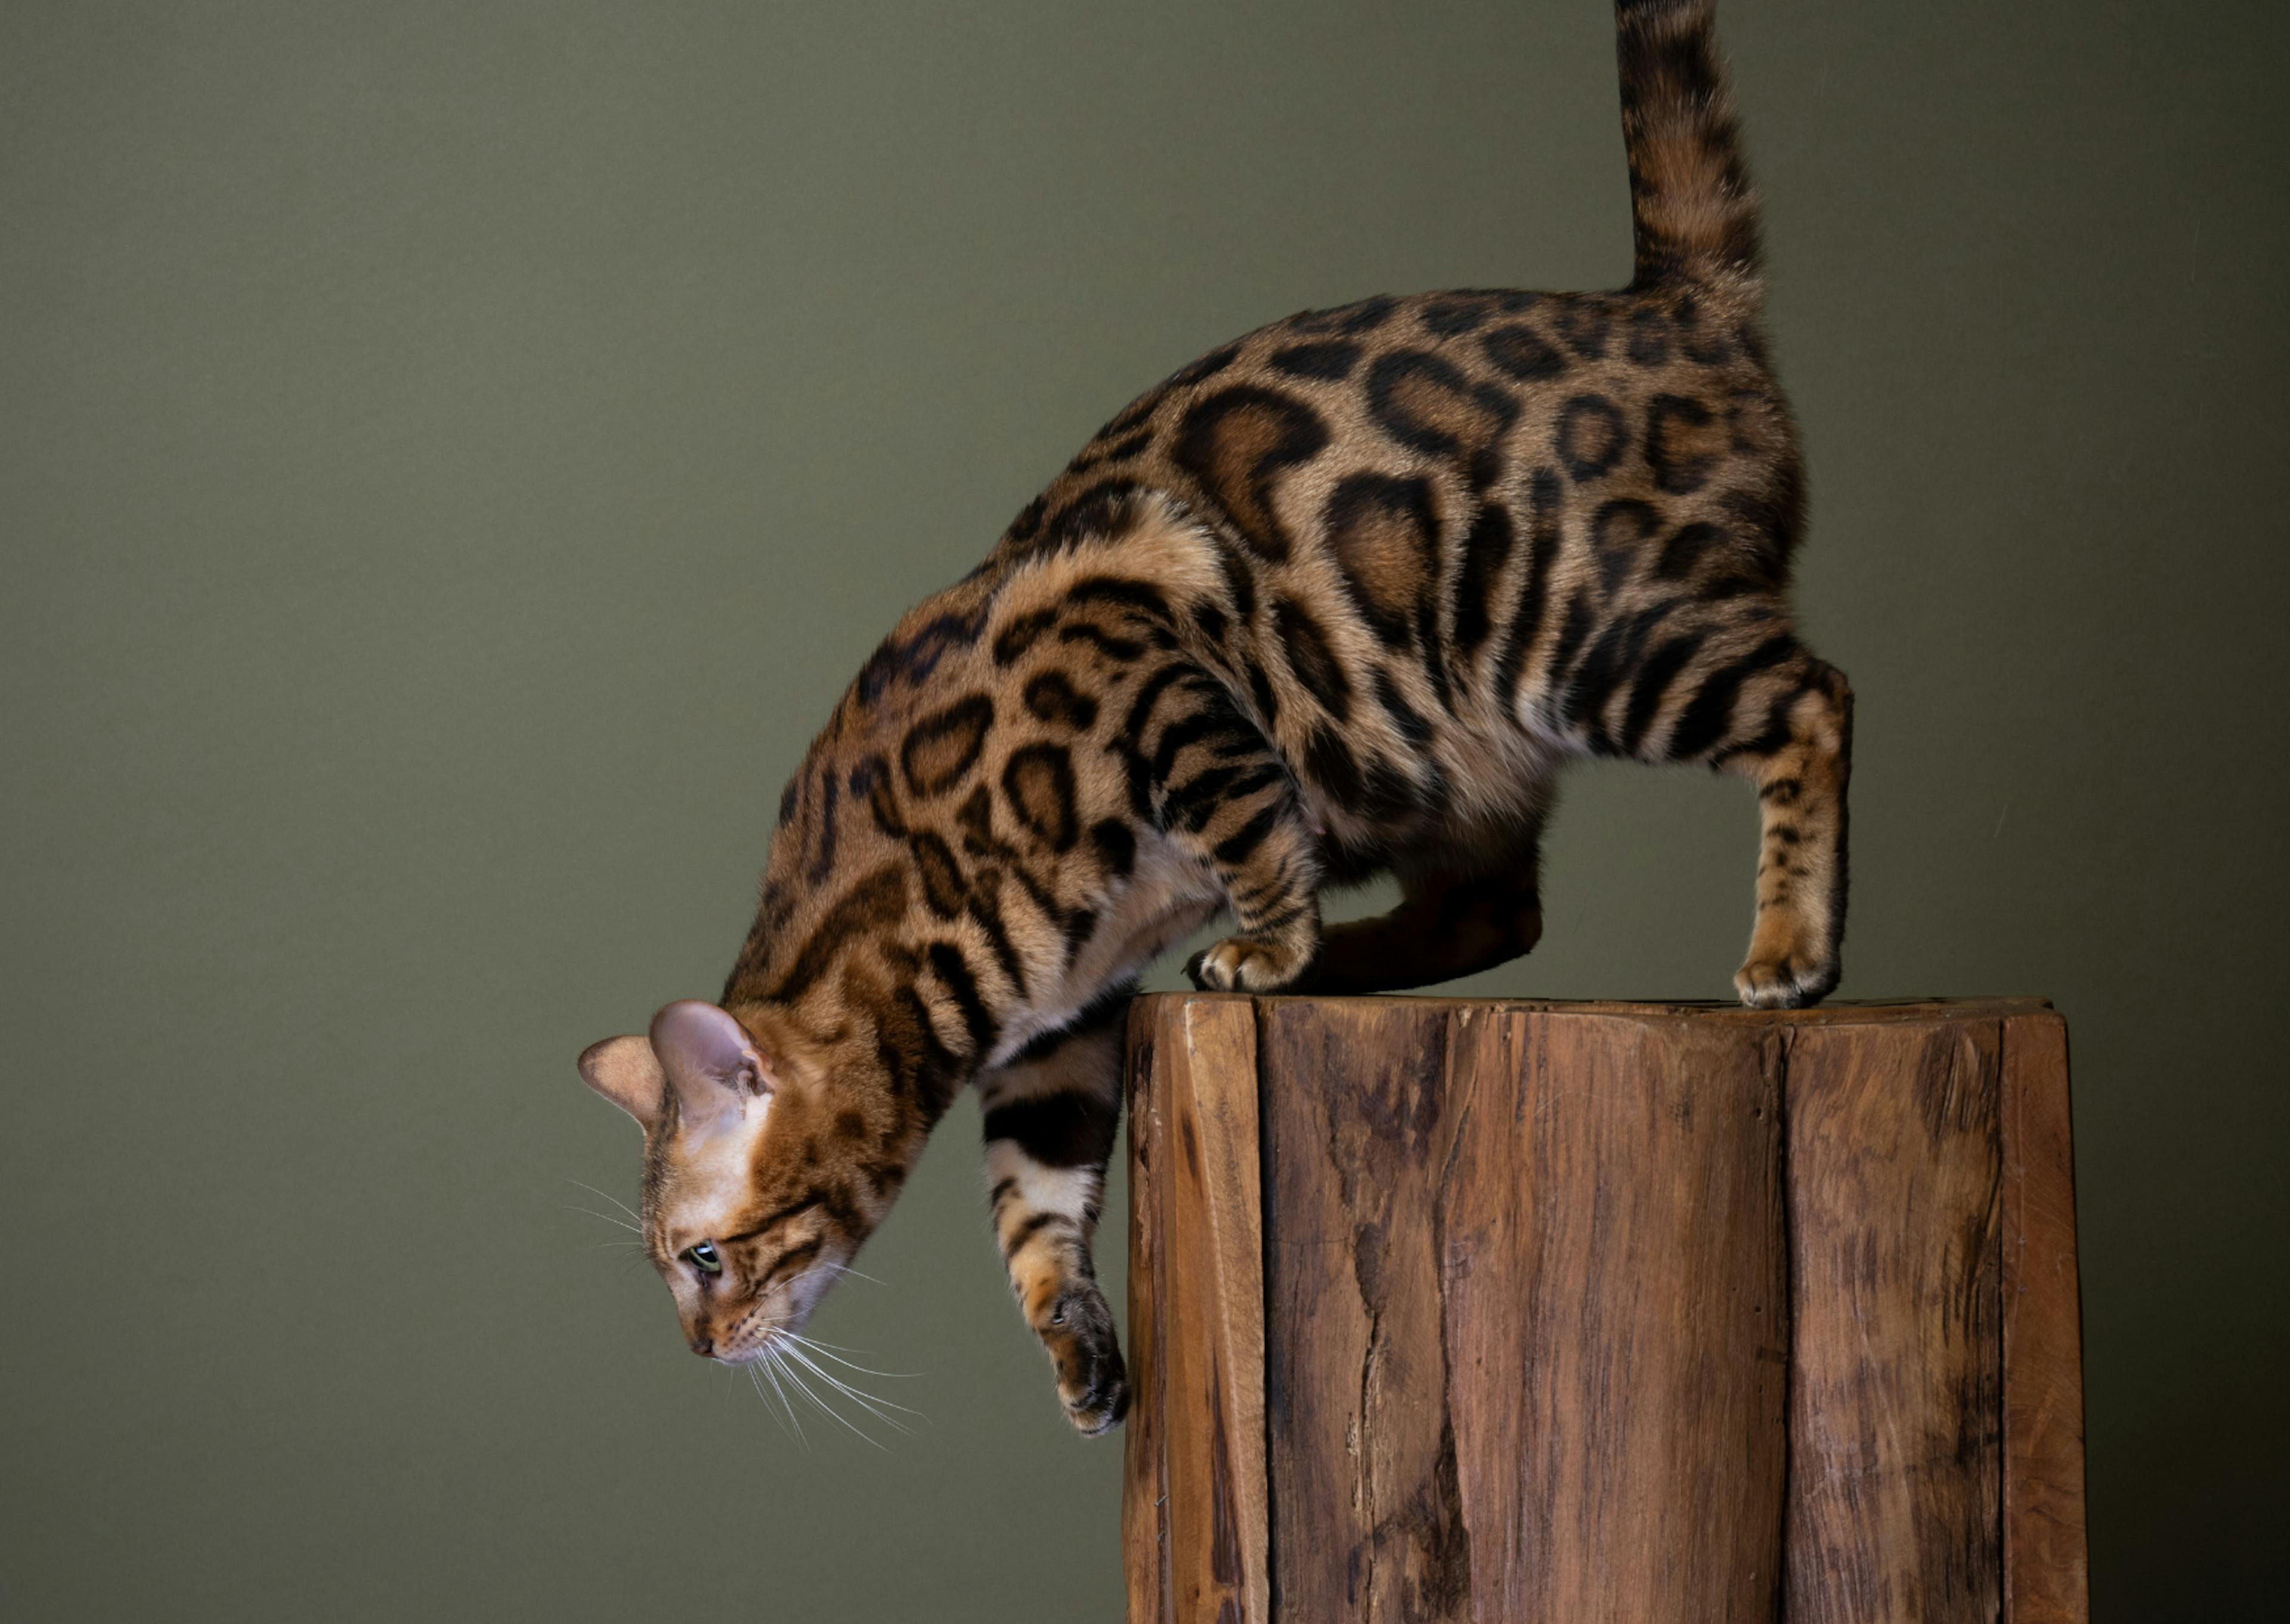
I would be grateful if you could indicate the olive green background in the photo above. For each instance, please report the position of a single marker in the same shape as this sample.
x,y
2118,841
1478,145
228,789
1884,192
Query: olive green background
x,y
453,454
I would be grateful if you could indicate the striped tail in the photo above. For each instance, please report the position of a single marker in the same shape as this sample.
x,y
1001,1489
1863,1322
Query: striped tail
x,y
1695,213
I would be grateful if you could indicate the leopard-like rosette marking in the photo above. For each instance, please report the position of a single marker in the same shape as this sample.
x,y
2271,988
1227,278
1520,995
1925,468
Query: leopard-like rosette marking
x,y
1340,599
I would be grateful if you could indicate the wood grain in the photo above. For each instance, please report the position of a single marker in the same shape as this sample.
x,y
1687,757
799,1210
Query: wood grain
x,y
1526,1338
1894,1171
1367,1522
1144,1485
2046,1577
1549,1312
1633,1318
1208,1314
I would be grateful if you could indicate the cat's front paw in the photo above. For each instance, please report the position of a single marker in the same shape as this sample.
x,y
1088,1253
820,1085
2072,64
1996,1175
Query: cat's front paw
x,y
1785,981
1092,1381
1249,964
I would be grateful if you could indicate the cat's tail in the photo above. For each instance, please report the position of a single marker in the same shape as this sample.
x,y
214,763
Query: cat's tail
x,y
1695,213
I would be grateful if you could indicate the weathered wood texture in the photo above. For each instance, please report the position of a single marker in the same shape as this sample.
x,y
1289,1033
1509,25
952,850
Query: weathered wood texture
x,y
1894,1380
1196,1282
2045,1578
1557,1312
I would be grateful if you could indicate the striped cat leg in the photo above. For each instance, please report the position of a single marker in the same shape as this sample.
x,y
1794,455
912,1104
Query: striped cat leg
x,y
1800,762
1266,859
1050,1120
1466,913
1225,796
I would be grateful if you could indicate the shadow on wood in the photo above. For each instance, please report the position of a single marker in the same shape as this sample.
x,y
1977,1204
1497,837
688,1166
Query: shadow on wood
x,y
1497,1311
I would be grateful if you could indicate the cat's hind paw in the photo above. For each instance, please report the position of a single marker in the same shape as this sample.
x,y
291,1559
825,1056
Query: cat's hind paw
x,y
1786,982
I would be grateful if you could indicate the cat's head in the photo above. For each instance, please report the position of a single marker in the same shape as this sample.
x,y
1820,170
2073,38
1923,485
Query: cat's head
x,y
760,1179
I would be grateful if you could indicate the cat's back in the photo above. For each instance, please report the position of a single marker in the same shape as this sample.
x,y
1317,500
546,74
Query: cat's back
x,y
1372,434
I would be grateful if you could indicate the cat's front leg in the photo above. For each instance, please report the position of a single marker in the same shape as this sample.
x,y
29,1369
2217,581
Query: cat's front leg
x,y
1267,860
1224,795
1050,1115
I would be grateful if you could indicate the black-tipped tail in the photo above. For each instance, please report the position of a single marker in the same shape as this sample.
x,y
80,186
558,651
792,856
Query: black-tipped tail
x,y
1691,202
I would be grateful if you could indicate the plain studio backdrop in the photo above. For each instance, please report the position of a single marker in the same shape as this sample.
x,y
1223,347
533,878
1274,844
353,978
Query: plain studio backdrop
x,y
452,455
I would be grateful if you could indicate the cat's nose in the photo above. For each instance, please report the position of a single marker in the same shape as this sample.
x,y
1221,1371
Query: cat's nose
x,y
703,1345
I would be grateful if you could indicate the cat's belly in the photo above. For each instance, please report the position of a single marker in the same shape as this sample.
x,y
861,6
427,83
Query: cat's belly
x,y
1168,896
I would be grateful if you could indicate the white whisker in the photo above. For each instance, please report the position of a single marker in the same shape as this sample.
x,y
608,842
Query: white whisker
x,y
772,1375
878,1408
756,1381
785,1377
839,1348
796,1376
779,1385
829,1350
615,1200
607,1216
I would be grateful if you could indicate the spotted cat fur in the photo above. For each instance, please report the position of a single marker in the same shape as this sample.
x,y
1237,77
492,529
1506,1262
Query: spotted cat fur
x,y
1340,598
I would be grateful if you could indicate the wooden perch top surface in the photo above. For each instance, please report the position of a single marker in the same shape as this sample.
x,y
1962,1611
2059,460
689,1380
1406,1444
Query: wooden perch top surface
x,y
1837,1012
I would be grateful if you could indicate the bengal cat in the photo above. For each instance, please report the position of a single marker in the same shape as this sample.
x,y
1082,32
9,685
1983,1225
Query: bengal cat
x,y
1337,599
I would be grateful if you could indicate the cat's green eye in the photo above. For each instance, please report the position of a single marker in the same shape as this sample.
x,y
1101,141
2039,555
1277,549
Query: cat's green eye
x,y
703,1258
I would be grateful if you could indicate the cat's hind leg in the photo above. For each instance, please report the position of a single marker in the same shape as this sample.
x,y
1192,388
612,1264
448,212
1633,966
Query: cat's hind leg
x,y
1459,913
1800,758
1051,1114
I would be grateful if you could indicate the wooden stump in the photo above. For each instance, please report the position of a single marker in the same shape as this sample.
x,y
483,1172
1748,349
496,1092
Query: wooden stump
x,y
1510,1311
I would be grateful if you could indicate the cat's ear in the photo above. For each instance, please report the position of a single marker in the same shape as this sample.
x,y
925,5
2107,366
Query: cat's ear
x,y
711,1061
625,1072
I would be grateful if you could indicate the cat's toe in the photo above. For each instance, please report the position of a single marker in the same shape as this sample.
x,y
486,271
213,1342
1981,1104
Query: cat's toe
x,y
1244,964
1784,983
1214,969
1102,1404
1093,1381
